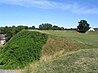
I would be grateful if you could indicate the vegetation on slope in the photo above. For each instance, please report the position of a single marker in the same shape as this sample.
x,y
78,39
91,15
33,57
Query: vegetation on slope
x,y
57,44
59,53
53,48
82,61
90,39
62,53
22,49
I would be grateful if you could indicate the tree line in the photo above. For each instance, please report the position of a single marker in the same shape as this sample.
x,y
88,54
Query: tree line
x,y
82,27
48,26
11,31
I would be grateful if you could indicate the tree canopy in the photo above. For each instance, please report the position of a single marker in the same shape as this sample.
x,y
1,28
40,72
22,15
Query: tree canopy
x,y
11,31
83,26
48,26
45,26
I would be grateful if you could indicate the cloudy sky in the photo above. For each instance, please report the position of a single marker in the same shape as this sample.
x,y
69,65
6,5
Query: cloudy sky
x,y
66,13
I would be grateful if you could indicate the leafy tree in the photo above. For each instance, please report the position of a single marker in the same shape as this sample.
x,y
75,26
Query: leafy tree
x,y
11,31
45,26
33,27
55,27
26,27
62,28
83,26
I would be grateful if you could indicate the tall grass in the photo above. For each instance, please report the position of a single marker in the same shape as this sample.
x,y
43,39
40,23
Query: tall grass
x,y
57,44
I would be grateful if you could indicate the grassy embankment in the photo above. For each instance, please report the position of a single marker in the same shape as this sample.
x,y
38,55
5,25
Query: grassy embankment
x,y
68,52
24,48
61,52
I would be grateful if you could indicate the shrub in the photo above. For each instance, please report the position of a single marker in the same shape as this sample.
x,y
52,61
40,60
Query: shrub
x,y
22,49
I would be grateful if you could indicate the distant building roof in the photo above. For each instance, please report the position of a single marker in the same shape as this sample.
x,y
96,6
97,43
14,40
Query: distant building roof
x,y
91,29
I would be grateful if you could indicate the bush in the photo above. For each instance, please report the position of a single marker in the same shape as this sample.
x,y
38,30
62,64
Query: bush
x,y
22,49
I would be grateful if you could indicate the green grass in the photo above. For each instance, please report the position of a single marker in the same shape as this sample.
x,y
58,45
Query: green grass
x,y
82,61
63,52
68,52
89,38
22,49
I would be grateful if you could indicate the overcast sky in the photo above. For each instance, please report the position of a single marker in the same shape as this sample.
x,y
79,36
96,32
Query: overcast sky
x,y
66,13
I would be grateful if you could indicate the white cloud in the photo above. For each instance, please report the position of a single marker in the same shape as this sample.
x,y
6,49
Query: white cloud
x,y
84,9
50,4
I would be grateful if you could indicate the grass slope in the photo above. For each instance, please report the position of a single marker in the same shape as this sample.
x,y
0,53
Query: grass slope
x,y
89,38
82,61
67,52
63,52
22,49
57,44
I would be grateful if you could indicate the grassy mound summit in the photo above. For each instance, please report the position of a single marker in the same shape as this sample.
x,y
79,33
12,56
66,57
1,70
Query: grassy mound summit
x,y
23,48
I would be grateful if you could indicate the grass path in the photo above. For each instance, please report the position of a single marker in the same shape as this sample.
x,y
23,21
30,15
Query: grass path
x,y
10,71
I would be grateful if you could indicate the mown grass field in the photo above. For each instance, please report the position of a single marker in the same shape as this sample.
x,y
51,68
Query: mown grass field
x,y
68,52
82,61
89,38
